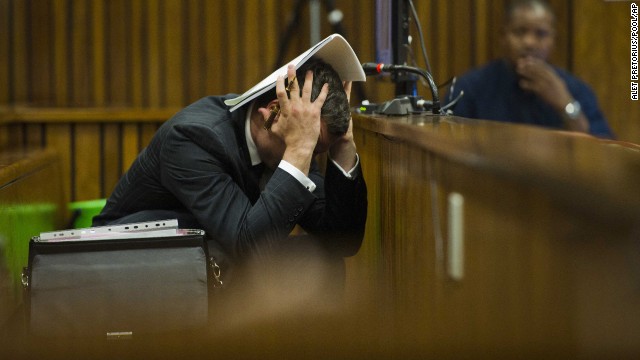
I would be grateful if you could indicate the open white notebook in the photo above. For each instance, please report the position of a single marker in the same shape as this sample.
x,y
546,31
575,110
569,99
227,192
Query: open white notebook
x,y
334,50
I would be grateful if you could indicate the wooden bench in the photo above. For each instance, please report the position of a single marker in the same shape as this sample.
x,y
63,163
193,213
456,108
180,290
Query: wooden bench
x,y
32,200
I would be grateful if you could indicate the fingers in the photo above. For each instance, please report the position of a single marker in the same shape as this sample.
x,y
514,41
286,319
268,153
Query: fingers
x,y
538,77
292,100
322,96
525,85
308,84
293,88
292,82
281,92
534,68
347,89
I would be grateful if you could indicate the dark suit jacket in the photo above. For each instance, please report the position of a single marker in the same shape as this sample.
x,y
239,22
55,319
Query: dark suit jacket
x,y
197,169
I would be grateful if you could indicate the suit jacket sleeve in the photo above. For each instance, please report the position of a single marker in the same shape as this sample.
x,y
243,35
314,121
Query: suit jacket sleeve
x,y
340,212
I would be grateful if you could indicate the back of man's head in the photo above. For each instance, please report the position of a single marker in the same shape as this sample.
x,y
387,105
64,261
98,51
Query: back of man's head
x,y
335,111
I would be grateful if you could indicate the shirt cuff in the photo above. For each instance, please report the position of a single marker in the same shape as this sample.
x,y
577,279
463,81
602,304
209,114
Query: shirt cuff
x,y
299,175
348,174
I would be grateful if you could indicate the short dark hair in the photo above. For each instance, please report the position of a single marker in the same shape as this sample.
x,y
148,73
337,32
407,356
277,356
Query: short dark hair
x,y
513,5
335,110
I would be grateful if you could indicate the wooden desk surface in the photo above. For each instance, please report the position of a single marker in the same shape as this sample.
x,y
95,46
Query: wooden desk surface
x,y
599,177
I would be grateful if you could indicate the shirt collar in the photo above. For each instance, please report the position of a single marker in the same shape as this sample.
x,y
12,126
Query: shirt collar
x,y
251,146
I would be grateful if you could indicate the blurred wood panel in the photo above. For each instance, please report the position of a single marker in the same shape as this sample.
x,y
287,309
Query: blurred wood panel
x,y
153,54
118,53
195,46
40,59
95,146
86,161
59,137
602,59
174,25
548,239
32,200
111,148
61,53
137,53
18,43
33,136
97,54
130,144
5,34
79,91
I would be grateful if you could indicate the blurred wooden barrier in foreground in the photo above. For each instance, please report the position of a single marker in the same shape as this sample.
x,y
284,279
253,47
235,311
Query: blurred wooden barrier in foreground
x,y
32,200
483,240
495,237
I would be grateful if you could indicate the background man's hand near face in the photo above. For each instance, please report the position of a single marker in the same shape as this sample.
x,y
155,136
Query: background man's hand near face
x,y
539,78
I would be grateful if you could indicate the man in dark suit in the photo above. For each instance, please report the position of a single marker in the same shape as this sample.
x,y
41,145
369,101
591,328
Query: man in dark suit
x,y
206,164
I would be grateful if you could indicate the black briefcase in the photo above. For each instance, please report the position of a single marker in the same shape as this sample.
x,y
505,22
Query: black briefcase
x,y
145,278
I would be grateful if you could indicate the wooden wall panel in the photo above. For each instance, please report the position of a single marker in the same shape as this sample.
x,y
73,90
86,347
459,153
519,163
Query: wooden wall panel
x,y
602,59
213,49
61,60
78,61
59,137
97,54
442,52
564,23
5,41
230,64
251,48
155,56
111,145
31,200
173,35
194,50
40,37
18,56
117,53
130,144
482,20
137,53
150,54
86,161
536,258
33,136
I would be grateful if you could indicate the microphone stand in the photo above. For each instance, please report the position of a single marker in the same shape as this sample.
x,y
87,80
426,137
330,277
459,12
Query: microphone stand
x,y
403,105
435,107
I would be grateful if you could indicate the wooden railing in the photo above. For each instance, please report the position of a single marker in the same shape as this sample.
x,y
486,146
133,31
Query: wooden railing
x,y
497,237
32,200
96,145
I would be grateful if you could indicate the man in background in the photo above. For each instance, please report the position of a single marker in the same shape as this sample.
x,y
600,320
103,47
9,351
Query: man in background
x,y
523,87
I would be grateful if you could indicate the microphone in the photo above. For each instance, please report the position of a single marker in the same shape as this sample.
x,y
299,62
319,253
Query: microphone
x,y
378,68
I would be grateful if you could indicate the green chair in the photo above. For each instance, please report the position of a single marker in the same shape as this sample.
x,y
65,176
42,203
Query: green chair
x,y
84,211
